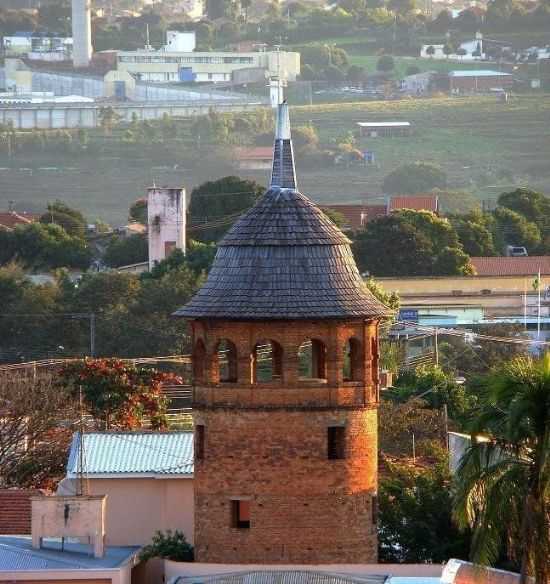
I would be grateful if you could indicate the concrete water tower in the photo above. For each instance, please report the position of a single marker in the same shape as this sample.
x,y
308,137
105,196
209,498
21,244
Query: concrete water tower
x,y
82,32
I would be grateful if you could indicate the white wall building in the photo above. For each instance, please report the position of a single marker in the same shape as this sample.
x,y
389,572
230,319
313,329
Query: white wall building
x,y
166,209
183,42
82,32
38,46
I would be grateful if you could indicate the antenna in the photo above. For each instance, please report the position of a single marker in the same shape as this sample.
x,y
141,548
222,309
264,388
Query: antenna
x,y
81,481
148,46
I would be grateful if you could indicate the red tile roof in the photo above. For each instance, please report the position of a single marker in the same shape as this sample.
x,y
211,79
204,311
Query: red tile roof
x,y
505,266
257,153
416,202
15,511
355,215
9,219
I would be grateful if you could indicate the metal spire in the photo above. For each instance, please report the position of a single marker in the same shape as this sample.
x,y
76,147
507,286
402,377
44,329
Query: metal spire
x,y
283,174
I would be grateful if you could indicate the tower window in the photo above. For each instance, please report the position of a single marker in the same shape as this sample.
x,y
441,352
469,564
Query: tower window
x,y
199,442
227,361
336,442
374,504
267,362
353,367
240,514
312,359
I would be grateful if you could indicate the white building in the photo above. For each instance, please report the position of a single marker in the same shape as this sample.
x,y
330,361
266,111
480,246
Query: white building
x,y
38,46
82,32
166,209
183,42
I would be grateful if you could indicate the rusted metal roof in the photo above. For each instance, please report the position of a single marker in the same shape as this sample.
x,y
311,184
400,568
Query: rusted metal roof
x,y
511,266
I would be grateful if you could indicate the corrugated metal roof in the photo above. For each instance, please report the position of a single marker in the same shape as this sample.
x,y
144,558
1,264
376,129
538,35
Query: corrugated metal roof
x,y
478,73
17,554
133,453
415,202
384,124
281,577
511,266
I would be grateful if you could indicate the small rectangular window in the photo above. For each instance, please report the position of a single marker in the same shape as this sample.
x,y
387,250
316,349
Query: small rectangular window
x,y
374,509
336,442
240,514
199,442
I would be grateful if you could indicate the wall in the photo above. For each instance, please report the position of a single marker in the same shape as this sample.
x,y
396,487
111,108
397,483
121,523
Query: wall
x,y
166,211
136,508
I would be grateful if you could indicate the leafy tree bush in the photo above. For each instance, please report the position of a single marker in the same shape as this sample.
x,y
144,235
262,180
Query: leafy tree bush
x,y
415,516
118,394
138,211
511,228
71,220
169,545
40,246
412,243
412,70
475,232
123,251
220,202
414,177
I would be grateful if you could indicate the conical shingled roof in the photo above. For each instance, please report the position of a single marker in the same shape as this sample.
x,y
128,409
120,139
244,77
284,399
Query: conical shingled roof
x,y
284,259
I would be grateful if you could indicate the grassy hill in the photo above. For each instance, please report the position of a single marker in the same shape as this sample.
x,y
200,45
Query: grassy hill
x,y
484,145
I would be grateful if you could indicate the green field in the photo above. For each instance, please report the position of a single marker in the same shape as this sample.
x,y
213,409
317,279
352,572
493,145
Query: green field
x,y
485,146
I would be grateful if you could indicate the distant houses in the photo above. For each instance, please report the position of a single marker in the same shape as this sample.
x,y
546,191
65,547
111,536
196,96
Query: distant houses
x,y
479,81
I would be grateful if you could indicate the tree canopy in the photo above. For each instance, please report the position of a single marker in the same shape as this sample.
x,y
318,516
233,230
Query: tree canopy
x,y
410,243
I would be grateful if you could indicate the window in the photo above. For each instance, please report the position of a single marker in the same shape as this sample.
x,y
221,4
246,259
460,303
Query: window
x,y
353,369
267,362
199,359
374,509
199,442
240,514
336,442
312,360
227,361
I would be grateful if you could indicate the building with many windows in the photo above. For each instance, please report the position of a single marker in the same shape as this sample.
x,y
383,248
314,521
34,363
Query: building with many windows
x,y
173,66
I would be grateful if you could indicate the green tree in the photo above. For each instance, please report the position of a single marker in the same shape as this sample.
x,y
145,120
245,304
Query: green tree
x,y
123,251
108,119
511,228
513,467
412,70
41,246
170,545
334,74
474,231
415,522
138,211
72,221
430,51
118,394
414,177
217,204
385,64
411,243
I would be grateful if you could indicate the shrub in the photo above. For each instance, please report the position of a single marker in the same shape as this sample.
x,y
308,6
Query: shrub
x,y
170,545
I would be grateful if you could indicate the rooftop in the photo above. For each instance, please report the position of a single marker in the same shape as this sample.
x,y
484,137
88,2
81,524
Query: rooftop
x,y
133,455
9,219
478,73
275,576
511,266
17,554
284,258
415,202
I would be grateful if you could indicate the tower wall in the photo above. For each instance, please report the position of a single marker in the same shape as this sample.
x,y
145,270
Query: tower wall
x,y
266,443
82,32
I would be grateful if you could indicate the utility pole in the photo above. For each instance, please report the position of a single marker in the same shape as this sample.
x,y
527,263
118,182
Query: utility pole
x,y
436,346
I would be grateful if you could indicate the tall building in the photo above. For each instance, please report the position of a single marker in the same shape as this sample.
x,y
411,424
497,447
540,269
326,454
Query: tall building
x,y
285,357
166,213
82,32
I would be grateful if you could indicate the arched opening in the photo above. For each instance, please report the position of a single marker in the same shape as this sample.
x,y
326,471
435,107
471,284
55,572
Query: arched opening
x,y
352,367
312,361
267,362
226,357
199,361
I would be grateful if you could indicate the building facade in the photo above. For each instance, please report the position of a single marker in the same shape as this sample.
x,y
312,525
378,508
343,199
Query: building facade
x,y
166,219
174,66
285,356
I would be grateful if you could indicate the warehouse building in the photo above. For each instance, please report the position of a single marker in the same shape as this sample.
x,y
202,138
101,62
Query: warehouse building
x,y
480,81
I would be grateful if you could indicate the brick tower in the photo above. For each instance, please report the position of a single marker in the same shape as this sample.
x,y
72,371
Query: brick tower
x,y
285,356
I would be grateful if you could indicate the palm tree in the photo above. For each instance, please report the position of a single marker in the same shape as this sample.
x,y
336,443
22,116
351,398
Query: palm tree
x,y
503,482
